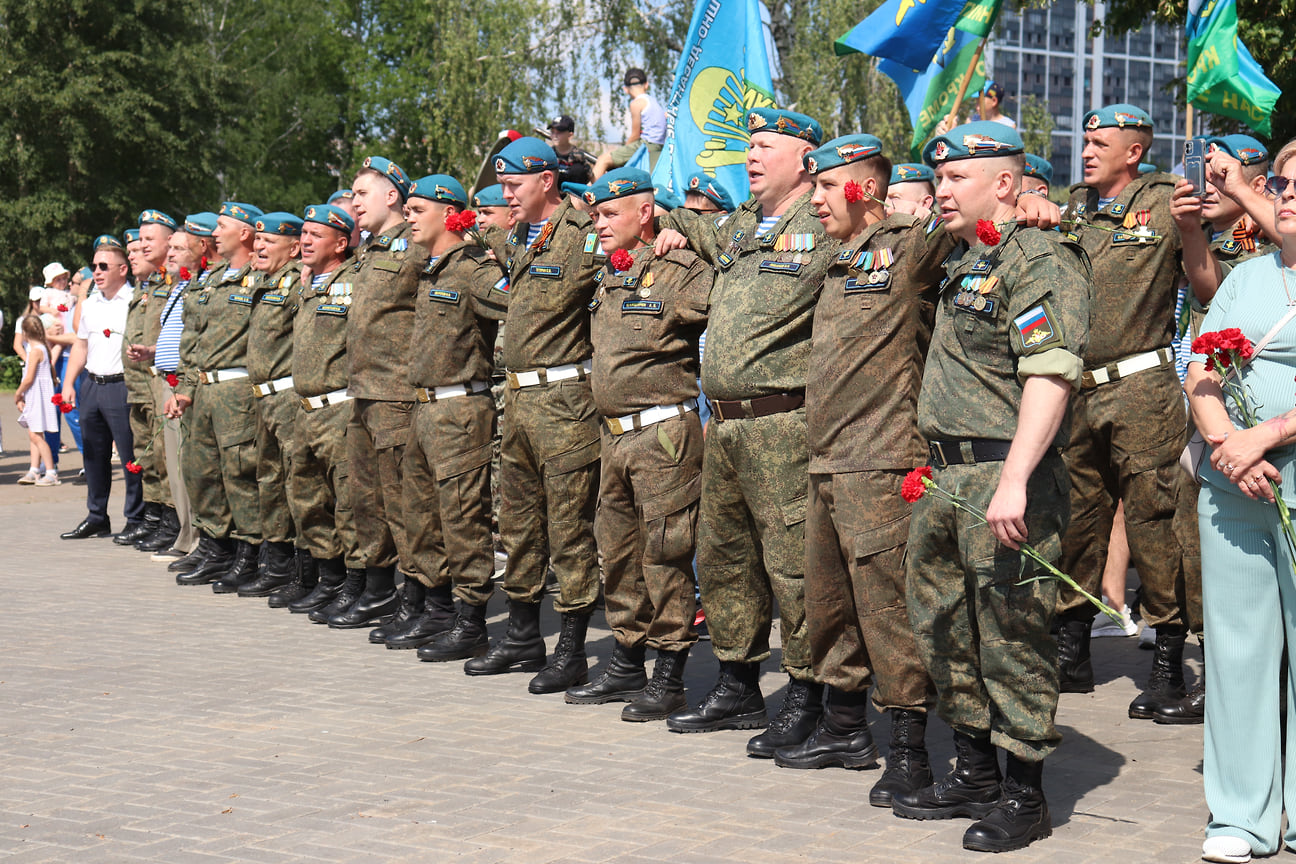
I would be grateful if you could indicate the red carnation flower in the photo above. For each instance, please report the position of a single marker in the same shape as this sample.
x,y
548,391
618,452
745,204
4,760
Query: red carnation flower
x,y
57,398
185,274
853,191
915,484
452,222
173,380
467,219
107,333
987,233
134,467
202,264
62,307
66,408
622,260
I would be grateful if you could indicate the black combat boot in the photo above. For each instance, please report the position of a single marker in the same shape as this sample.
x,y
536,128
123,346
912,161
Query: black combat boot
x,y
795,721
467,638
277,569
908,768
1019,818
735,702
330,575
436,616
623,679
219,558
163,534
136,531
375,603
411,594
567,665
243,569
1075,668
664,694
187,564
1166,684
841,738
521,650
971,790
349,589
305,577
1191,709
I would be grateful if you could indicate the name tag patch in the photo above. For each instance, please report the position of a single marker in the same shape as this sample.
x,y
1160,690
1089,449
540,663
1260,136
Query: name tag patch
x,y
441,295
274,299
641,307
547,271
331,309
243,299
787,268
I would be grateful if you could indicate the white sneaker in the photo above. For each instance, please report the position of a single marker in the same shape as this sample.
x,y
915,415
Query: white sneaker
x,y
1227,850
29,478
1105,626
1147,639
50,478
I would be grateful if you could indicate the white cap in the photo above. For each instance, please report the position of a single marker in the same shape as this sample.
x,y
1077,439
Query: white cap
x,y
53,271
36,292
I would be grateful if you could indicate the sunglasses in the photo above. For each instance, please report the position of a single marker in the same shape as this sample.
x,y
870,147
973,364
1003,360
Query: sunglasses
x,y
102,265
1277,185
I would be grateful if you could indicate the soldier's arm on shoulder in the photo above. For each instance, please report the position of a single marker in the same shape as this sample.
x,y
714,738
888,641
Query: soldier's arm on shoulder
x,y
693,277
489,289
702,233
1049,309
930,245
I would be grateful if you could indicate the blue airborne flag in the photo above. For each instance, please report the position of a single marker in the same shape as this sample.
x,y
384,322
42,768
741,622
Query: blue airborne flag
x,y
722,74
906,31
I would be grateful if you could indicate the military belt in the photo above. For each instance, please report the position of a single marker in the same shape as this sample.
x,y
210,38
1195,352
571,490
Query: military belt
x,y
762,406
106,379
314,403
1126,367
278,385
656,414
160,373
536,377
450,391
216,376
969,451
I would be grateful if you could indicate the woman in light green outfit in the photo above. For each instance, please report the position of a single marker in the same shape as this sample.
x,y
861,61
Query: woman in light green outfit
x,y
1248,581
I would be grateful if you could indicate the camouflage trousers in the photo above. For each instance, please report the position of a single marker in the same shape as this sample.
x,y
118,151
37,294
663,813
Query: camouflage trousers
x,y
177,495
319,488
646,528
983,634
550,478
751,538
1126,437
857,526
376,438
147,433
219,459
276,415
445,484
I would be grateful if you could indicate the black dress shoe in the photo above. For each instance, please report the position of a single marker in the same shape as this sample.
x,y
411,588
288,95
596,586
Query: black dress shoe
x,y
88,529
132,532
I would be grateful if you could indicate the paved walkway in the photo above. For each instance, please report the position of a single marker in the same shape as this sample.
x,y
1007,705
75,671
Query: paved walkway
x,y
141,721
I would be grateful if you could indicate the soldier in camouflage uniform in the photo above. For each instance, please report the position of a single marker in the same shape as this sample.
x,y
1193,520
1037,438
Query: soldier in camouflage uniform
x,y
1129,422
550,450
137,355
647,315
771,255
319,488
385,276
445,476
875,312
219,464
269,360
1011,327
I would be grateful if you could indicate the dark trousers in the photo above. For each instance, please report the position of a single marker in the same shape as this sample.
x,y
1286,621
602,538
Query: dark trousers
x,y
105,420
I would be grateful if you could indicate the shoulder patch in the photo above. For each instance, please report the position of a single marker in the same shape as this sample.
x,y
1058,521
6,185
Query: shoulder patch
x,y
1036,327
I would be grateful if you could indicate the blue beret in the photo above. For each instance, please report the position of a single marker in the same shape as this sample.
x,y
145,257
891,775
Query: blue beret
x,y
200,224
440,187
666,199
345,194
526,155
618,184
1039,167
569,188
1119,116
157,217
330,215
1147,168
977,140
1243,148
785,123
704,184
107,241
841,151
278,222
911,172
131,235
493,196
391,171
245,213
85,273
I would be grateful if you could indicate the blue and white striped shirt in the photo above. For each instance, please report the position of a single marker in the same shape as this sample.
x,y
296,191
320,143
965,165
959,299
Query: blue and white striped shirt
x,y
167,356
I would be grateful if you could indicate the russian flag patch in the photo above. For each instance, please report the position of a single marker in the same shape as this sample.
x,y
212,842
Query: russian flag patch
x,y
1035,326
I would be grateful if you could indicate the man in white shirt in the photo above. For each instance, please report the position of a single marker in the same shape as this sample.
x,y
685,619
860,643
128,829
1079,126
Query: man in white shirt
x,y
105,416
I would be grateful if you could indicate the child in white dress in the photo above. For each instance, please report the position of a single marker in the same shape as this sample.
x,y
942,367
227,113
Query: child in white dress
x,y
36,410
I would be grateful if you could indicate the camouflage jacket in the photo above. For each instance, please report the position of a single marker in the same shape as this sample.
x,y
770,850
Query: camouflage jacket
x,y
319,352
462,295
217,334
136,333
270,329
385,275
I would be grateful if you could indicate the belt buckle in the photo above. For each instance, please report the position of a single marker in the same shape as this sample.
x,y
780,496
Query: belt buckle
x,y
938,454
423,395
